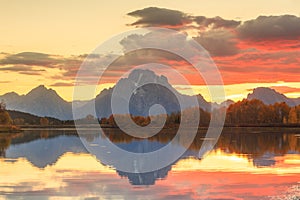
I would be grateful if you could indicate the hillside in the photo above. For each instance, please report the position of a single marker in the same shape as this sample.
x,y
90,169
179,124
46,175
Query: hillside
x,y
29,119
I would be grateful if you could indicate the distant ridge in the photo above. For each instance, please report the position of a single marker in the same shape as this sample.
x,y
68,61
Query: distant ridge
x,y
270,96
41,102
46,102
30,119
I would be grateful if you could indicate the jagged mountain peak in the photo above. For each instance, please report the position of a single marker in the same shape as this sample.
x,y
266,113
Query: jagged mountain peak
x,y
40,88
145,75
42,91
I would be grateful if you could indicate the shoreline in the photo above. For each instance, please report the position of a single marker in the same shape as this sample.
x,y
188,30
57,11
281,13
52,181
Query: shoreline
x,y
10,129
167,127
225,129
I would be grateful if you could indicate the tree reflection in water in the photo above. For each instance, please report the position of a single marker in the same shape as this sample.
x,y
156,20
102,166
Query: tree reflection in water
x,y
44,147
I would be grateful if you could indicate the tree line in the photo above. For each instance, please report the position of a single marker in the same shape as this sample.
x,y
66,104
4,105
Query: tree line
x,y
11,117
245,112
256,112
170,119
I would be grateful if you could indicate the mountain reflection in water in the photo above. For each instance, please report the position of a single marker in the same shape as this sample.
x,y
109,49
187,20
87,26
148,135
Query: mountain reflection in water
x,y
49,163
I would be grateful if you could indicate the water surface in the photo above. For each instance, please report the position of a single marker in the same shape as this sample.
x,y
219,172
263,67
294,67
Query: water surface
x,y
246,163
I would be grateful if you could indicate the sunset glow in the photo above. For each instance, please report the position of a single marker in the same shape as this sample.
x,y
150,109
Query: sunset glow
x,y
48,48
216,169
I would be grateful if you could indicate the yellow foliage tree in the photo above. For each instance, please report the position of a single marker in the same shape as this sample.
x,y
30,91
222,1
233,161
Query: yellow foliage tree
x,y
4,115
293,116
44,121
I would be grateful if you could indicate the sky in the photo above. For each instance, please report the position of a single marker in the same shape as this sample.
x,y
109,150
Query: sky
x,y
253,43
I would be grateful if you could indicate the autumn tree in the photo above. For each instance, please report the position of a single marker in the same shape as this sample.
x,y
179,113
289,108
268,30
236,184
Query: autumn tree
x,y
256,112
280,112
293,116
173,118
103,120
44,121
298,113
4,115
249,112
111,120
204,117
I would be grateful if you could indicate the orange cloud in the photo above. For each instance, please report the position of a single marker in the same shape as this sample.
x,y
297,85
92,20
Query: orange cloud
x,y
286,89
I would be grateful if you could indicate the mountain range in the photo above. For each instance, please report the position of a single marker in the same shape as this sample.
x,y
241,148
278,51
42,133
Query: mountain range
x,y
46,102
41,102
143,98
